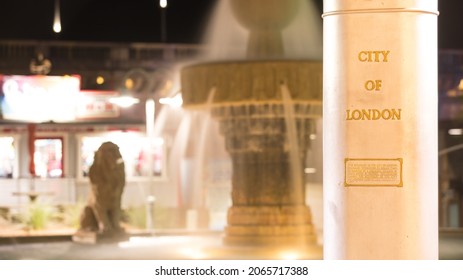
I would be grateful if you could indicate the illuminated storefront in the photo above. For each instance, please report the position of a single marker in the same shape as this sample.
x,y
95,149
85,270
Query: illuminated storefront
x,y
134,150
49,131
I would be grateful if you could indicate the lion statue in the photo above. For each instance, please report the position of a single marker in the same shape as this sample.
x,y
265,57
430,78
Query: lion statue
x,y
107,177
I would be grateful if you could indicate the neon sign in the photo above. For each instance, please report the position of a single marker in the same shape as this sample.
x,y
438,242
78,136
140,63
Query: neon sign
x,y
96,104
40,98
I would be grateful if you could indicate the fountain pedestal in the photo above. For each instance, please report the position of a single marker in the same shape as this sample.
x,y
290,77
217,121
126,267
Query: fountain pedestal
x,y
268,203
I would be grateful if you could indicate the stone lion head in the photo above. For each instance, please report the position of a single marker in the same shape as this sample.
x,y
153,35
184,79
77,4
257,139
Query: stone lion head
x,y
108,164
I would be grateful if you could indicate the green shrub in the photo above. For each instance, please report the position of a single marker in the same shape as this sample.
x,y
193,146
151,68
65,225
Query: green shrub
x,y
69,215
37,216
136,216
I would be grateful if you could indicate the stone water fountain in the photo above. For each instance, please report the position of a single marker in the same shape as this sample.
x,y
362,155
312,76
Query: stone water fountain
x,y
266,106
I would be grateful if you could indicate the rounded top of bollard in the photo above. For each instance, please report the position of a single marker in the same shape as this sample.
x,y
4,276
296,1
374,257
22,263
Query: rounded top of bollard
x,y
336,7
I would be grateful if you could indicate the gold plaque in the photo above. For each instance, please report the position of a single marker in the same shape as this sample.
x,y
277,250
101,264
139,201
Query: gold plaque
x,y
372,172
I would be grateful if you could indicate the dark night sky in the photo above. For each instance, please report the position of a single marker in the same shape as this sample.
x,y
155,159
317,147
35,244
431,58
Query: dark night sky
x,y
105,20
139,20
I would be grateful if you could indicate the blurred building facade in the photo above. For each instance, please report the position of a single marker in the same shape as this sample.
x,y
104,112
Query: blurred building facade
x,y
55,171
451,138
63,151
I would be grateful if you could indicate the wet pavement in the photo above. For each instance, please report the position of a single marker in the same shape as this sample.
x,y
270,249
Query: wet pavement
x,y
177,247
168,247
142,248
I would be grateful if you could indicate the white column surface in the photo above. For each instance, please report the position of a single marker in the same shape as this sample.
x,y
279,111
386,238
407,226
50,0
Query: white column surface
x,y
380,129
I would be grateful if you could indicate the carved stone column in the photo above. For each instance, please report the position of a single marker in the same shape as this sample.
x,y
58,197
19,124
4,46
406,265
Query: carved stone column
x,y
268,203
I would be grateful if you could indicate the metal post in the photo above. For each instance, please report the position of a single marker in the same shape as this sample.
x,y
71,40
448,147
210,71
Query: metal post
x,y
150,200
163,6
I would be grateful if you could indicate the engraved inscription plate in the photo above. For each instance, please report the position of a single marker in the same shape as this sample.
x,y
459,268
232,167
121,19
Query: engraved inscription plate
x,y
373,172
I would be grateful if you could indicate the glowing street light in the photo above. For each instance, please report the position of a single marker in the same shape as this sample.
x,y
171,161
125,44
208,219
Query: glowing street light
x,y
124,101
57,19
163,3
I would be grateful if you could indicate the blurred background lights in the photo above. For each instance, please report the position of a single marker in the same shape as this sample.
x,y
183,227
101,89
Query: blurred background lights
x,y
456,131
289,255
310,170
124,101
128,83
460,85
163,3
100,80
174,102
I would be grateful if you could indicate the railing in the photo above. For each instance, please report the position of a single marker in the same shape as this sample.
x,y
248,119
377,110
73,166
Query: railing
x,y
15,56
19,193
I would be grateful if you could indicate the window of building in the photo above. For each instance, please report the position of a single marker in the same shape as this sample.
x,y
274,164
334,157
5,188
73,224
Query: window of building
x,y
7,157
48,157
134,149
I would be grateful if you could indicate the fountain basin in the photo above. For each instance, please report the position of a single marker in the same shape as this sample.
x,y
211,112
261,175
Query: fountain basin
x,y
252,81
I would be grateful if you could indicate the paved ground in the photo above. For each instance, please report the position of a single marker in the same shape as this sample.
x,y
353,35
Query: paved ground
x,y
144,248
451,245
160,247
170,247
